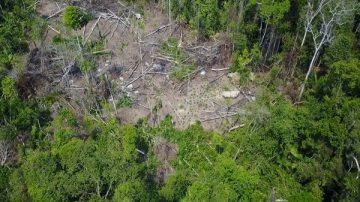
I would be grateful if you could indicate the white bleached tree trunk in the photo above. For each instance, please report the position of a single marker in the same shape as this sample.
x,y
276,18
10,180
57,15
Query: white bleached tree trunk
x,y
332,14
311,14
5,152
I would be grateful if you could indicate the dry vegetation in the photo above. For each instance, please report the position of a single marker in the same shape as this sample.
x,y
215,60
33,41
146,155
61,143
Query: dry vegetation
x,y
126,68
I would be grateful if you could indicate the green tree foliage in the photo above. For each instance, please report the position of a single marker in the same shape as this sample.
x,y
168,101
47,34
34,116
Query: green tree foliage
x,y
273,12
79,170
18,116
346,73
4,183
176,186
340,49
15,18
206,19
240,65
246,62
303,152
17,188
131,191
297,150
124,101
202,15
75,17
38,28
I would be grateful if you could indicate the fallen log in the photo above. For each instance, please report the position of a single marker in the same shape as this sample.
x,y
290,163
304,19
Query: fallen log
x,y
92,30
55,14
157,30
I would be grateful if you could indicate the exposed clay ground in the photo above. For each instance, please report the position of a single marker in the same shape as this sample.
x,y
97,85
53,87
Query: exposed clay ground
x,y
197,98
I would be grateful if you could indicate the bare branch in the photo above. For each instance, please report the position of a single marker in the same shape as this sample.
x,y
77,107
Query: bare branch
x,y
92,30
6,152
158,29
55,14
335,14
357,165
54,29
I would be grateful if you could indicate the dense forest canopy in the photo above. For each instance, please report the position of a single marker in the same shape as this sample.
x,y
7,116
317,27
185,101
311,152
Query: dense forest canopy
x,y
301,141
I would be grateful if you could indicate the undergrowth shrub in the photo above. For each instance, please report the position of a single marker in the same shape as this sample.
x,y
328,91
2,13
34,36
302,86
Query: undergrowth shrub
x,y
75,17
124,101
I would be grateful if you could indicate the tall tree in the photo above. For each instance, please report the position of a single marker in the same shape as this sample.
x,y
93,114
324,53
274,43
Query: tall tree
x,y
332,14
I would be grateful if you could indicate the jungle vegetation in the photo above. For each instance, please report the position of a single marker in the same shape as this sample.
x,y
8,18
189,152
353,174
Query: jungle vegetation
x,y
302,148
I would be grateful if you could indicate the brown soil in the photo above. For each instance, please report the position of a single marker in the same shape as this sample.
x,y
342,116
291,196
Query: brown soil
x,y
162,173
197,98
164,150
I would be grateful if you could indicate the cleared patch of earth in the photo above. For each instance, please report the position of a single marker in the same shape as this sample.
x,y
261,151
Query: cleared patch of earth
x,y
135,49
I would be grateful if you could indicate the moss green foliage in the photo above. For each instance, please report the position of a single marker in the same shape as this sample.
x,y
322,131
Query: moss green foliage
x,y
122,46
209,17
86,58
202,15
131,191
18,116
76,167
272,11
346,73
246,62
38,28
15,17
171,49
181,72
240,62
75,17
4,183
12,41
94,46
176,186
124,101
87,66
141,25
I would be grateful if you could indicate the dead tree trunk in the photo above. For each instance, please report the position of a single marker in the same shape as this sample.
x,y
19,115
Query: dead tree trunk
x,y
311,15
337,14
313,60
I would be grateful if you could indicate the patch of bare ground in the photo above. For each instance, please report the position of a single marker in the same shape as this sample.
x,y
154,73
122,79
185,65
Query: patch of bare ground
x,y
164,152
131,69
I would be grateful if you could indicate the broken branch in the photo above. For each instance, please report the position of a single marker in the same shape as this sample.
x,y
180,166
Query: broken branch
x,y
219,117
158,29
357,165
223,69
236,127
53,29
92,29
55,14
